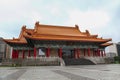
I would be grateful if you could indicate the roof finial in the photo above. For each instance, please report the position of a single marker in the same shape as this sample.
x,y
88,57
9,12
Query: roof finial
x,y
76,26
36,26
24,27
87,32
37,23
13,38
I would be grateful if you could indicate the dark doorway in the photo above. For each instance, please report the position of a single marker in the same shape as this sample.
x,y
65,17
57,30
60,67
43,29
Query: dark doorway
x,y
67,53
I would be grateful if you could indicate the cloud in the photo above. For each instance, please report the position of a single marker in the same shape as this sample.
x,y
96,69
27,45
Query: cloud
x,y
53,9
91,19
14,14
10,10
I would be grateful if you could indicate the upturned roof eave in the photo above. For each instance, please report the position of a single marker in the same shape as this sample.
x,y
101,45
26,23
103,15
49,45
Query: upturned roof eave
x,y
65,39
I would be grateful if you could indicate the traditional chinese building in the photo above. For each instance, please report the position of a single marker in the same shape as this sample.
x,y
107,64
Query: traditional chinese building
x,y
59,41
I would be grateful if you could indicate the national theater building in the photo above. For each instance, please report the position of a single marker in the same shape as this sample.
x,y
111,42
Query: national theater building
x,y
56,41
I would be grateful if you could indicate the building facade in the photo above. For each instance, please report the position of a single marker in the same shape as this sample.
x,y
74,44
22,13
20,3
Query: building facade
x,y
115,48
2,48
56,41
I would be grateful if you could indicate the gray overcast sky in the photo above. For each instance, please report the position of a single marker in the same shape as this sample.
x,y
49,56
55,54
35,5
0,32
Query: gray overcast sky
x,y
98,16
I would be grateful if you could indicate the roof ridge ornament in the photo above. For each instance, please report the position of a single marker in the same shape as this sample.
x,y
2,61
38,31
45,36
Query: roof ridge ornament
x,y
88,33
76,26
13,38
37,23
36,26
24,27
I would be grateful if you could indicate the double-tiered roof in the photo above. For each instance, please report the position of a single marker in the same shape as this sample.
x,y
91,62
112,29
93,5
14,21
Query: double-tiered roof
x,y
57,33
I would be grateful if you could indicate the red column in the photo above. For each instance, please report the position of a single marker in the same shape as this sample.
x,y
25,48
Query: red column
x,y
48,52
34,52
28,53
84,51
13,53
17,56
89,52
78,53
23,54
60,52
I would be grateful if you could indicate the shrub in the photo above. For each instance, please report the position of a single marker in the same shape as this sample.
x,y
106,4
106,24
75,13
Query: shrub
x,y
117,59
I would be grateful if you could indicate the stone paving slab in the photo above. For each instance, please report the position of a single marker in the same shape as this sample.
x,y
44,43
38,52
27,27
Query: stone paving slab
x,y
92,72
72,76
41,74
15,75
4,72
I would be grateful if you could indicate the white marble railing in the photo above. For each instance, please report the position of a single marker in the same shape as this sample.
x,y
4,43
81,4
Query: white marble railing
x,y
35,61
45,59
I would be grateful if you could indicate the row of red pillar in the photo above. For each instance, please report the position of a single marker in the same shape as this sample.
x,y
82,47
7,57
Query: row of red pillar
x,y
98,52
77,53
15,54
87,52
48,52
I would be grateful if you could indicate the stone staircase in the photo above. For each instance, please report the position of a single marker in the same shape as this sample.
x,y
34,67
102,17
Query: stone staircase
x,y
97,60
55,61
80,61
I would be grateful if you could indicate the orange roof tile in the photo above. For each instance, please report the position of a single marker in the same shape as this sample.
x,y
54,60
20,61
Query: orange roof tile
x,y
60,30
51,32
21,39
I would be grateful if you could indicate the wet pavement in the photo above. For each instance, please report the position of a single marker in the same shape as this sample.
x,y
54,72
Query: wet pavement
x,y
81,72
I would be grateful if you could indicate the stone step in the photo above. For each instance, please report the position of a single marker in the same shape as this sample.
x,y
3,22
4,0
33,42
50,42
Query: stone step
x,y
80,61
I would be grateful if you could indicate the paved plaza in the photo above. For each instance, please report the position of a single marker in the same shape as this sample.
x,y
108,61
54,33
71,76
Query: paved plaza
x,y
81,72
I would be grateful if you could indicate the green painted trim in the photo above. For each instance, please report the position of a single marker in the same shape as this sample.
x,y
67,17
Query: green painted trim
x,y
65,46
22,48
